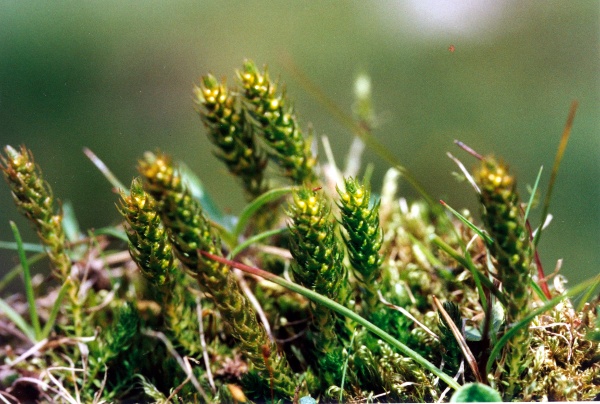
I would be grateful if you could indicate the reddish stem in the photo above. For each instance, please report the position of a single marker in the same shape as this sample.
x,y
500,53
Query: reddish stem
x,y
538,263
468,149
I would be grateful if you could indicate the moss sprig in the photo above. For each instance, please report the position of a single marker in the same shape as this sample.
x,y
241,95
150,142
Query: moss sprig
x,y
230,131
363,238
33,197
287,146
148,242
318,265
318,254
151,250
512,252
451,352
190,231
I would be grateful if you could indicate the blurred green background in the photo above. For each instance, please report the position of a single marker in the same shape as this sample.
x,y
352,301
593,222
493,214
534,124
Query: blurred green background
x,y
116,76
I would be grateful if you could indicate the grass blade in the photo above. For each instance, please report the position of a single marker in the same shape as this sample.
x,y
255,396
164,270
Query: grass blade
x,y
55,308
35,320
249,241
17,320
587,296
30,247
255,205
468,263
114,181
330,304
527,319
198,191
13,273
488,240
533,191
70,223
557,159
113,231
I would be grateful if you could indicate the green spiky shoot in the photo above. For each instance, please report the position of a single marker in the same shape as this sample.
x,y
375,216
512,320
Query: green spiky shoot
x,y
150,249
318,257
363,238
190,232
278,125
34,199
512,251
234,137
148,242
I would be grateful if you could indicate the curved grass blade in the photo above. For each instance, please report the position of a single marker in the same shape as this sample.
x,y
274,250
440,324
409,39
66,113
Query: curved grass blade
x,y
330,304
55,308
17,320
255,205
198,191
249,241
533,191
116,232
468,263
29,247
587,296
70,223
485,237
114,181
35,320
13,273
557,159
527,319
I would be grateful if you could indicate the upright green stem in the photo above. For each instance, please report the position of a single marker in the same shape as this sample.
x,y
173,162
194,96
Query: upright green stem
x,y
35,320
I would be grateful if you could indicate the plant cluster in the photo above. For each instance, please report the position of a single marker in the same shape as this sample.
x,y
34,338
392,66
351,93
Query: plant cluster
x,y
363,296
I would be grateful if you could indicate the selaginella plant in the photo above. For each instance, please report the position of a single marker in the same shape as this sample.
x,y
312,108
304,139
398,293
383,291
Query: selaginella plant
x,y
368,297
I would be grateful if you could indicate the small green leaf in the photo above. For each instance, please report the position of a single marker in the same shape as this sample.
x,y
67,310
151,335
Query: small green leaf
x,y
476,393
198,191
467,223
70,224
35,320
115,232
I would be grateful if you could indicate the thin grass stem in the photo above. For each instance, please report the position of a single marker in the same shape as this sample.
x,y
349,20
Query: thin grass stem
x,y
55,309
29,247
557,160
18,320
533,191
488,240
330,304
254,239
14,272
35,320
114,181
534,313
255,205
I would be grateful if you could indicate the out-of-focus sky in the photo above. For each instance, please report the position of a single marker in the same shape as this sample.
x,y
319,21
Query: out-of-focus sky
x,y
116,76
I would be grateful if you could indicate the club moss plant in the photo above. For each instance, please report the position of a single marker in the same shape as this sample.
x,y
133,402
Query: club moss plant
x,y
326,287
